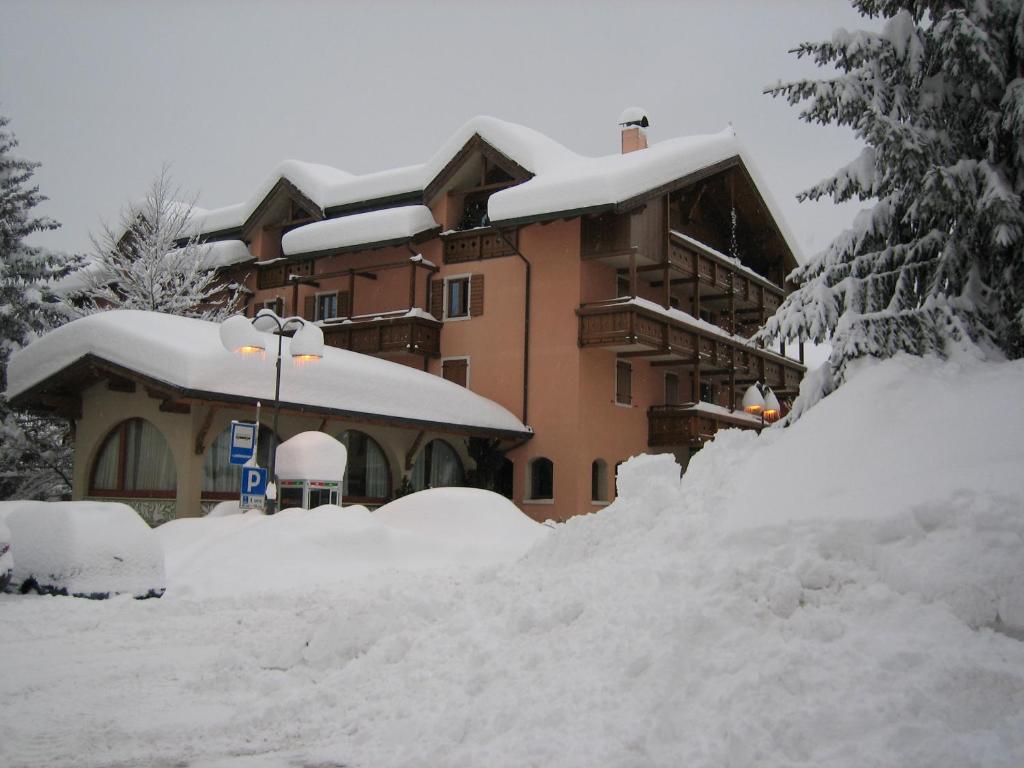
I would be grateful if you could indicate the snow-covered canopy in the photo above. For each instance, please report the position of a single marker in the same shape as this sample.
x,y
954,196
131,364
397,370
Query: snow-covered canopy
x,y
382,226
311,456
562,180
187,355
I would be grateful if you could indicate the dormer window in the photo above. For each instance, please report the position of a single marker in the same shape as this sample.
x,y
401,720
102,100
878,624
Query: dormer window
x,y
474,211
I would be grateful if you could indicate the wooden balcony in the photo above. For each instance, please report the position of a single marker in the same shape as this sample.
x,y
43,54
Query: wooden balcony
x,y
691,424
476,244
672,338
386,334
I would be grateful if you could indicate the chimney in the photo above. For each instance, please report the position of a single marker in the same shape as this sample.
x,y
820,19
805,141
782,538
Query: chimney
x,y
633,121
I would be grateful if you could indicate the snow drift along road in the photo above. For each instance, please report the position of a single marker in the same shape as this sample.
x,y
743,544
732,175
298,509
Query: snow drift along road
x,y
700,623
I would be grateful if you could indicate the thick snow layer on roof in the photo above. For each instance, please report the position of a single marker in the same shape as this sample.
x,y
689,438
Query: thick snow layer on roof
x,y
632,115
85,548
221,253
359,229
311,456
187,353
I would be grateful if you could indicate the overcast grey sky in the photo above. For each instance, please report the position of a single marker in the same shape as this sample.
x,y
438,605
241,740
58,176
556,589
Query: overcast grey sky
x,y
104,92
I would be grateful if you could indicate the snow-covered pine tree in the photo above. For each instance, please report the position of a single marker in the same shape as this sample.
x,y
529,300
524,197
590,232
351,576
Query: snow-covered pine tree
x,y
35,460
153,260
937,97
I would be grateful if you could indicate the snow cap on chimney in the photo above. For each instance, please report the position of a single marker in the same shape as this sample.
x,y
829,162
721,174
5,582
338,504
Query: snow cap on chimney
x,y
633,121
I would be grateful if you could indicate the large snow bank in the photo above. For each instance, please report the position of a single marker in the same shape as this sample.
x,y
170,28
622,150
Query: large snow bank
x,y
303,550
187,353
687,624
85,548
311,456
467,517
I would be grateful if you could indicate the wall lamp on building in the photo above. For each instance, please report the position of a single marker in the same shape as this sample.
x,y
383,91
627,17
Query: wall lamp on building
x,y
760,401
244,337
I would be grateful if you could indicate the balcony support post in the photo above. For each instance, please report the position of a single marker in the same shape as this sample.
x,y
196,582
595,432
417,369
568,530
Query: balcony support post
x,y
632,274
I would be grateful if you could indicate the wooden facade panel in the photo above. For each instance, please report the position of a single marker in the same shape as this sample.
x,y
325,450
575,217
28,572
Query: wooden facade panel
x,y
607,328
472,245
394,337
682,341
607,233
679,426
648,330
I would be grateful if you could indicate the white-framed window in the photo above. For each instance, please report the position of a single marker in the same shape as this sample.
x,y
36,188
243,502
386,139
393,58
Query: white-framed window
x,y
326,305
456,369
456,297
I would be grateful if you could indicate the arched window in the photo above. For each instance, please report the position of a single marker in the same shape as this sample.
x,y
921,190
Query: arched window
x,y
221,478
437,466
542,479
367,474
134,460
599,480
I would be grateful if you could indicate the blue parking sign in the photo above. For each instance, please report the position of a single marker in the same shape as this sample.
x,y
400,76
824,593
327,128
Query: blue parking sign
x,y
254,487
243,442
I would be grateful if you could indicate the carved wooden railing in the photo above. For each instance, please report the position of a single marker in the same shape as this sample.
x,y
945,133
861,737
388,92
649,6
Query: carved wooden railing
x,y
387,333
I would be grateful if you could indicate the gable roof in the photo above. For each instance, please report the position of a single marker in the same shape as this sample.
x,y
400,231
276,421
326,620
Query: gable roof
x,y
560,181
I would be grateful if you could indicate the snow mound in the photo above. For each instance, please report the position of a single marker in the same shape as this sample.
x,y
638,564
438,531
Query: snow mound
x,y
304,550
311,456
85,548
466,517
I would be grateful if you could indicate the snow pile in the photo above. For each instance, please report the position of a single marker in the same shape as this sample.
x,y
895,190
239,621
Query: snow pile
x,y
371,228
311,456
470,518
85,548
844,592
187,354
300,550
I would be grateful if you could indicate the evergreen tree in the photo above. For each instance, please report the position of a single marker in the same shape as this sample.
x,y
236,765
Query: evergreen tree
x,y
35,459
153,260
937,261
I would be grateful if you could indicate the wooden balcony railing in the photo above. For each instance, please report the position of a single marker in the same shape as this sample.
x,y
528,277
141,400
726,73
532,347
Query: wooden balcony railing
x,y
723,275
475,244
387,333
691,424
642,328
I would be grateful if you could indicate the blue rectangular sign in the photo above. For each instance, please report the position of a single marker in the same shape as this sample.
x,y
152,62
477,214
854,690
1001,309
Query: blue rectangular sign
x,y
243,442
254,487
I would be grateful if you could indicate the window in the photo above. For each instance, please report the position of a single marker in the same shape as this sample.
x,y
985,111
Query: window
x,y
221,478
542,479
623,382
599,480
326,306
457,297
437,466
622,286
707,392
367,473
671,389
134,460
456,369
474,211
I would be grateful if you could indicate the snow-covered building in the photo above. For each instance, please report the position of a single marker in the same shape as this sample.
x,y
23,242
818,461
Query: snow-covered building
x,y
604,305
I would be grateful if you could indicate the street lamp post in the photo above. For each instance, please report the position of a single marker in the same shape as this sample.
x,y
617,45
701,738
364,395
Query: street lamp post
x,y
243,337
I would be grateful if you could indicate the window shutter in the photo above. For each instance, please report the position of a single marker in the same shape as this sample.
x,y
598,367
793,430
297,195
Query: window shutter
x,y
623,383
456,371
344,310
309,308
437,299
476,295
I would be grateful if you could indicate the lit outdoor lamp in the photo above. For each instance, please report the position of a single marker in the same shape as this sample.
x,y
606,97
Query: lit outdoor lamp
x,y
241,336
771,406
753,400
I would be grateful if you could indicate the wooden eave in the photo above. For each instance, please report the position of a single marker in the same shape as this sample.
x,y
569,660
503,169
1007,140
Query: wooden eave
x,y
286,187
375,204
475,144
82,373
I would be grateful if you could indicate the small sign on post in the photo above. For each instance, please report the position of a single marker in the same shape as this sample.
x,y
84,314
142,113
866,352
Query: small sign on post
x,y
254,487
243,442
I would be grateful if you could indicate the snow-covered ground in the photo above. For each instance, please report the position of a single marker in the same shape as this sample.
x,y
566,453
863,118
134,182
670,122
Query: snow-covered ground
x,y
847,592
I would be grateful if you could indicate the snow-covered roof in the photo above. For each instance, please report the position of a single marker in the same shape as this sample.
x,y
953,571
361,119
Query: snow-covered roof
x,y
562,180
186,354
311,456
382,226
221,253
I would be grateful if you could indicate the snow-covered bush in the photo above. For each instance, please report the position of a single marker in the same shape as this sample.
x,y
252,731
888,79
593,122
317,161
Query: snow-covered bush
x,y
6,556
84,549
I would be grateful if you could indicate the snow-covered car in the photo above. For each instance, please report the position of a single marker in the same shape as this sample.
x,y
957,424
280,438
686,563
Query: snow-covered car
x,y
84,549
6,556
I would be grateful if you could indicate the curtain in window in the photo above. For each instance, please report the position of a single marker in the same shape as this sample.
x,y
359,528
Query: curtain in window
x,y
366,471
149,464
376,471
104,473
445,467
